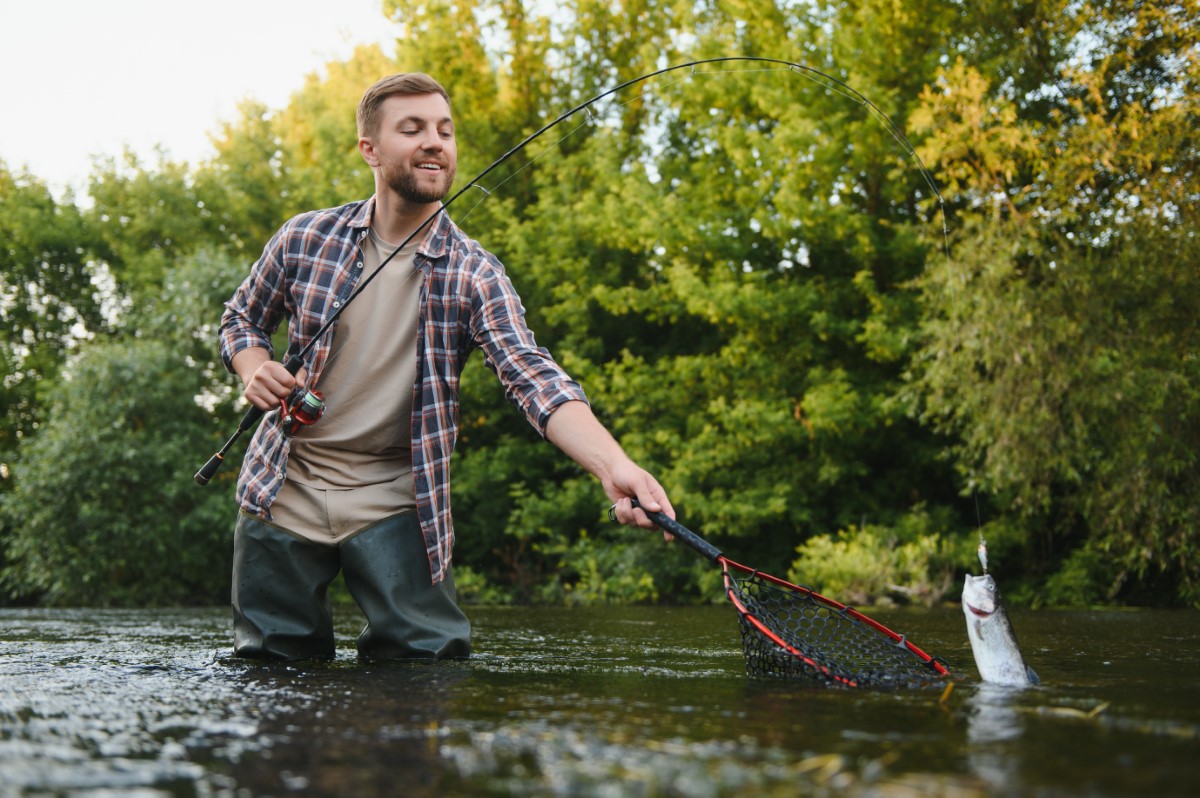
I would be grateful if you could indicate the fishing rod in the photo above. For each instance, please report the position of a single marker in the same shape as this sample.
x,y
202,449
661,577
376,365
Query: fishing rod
x,y
294,363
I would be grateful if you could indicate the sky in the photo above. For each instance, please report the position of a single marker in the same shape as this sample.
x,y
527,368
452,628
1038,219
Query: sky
x,y
80,78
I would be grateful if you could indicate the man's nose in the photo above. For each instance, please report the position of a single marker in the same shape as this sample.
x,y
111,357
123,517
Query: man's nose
x,y
431,140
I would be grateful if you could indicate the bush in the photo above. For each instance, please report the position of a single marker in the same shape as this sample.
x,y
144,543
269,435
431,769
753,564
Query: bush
x,y
105,511
911,562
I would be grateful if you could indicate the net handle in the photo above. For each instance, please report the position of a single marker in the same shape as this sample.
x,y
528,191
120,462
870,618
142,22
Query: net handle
x,y
681,532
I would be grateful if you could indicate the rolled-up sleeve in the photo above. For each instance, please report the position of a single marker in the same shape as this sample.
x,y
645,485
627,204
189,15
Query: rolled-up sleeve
x,y
256,308
533,381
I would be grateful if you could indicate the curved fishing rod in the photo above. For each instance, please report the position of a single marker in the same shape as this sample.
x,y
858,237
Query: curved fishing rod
x,y
294,362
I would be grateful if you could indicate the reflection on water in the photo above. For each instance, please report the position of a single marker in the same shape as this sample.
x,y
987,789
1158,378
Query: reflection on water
x,y
993,721
604,701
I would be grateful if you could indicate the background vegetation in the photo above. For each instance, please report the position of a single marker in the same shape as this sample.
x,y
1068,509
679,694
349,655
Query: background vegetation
x,y
836,375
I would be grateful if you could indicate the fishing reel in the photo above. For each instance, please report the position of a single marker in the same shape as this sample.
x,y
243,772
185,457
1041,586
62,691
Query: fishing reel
x,y
302,408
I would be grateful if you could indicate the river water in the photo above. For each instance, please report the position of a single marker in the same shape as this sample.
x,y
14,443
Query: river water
x,y
626,701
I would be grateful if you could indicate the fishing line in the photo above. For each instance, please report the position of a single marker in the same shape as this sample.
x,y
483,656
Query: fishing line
x,y
677,110
487,193
982,550
296,361
646,93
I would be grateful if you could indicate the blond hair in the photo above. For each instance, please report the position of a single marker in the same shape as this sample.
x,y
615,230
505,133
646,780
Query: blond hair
x,y
406,83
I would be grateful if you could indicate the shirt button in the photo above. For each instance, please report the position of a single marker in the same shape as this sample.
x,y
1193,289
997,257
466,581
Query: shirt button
x,y
337,304
358,265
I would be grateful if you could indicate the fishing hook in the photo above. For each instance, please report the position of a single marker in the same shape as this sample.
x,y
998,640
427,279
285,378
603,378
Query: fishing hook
x,y
294,362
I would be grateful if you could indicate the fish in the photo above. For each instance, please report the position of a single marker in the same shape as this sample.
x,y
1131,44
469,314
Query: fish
x,y
991,634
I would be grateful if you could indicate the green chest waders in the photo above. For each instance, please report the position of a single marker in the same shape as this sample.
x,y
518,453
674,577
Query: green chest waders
x,y
280,595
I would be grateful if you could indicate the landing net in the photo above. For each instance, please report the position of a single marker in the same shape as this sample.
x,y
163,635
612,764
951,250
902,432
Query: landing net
x,y
790,631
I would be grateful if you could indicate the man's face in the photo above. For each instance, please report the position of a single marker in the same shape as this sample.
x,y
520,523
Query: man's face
x,y
415,147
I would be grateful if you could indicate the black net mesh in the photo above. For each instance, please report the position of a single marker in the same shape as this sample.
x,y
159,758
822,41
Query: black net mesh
x,y
827,645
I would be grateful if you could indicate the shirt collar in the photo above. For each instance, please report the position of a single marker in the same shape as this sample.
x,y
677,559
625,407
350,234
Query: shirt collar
x,y
433,245
361,220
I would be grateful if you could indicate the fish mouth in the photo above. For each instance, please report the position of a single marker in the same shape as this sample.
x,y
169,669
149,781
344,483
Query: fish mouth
x,y
978,612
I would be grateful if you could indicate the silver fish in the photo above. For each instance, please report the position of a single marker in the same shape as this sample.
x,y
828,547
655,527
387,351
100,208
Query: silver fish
x,y
992,640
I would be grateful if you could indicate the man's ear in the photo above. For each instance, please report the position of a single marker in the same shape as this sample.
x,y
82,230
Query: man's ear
x,y
367,148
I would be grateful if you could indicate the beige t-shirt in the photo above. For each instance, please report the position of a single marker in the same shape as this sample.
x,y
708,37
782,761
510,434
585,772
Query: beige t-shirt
x,y
354,466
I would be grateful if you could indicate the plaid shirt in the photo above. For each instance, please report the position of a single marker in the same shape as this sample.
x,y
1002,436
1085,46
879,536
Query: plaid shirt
x,y
309,269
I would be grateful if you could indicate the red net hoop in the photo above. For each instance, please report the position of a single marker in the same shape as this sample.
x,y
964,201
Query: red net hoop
x,y
791,631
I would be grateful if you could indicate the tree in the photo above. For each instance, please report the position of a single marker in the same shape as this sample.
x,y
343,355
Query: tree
x,y
1059,346
244,188
318,137
126,427
144,217
741,333
765,296
51,297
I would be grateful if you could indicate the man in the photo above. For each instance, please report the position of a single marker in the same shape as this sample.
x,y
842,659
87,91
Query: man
x,y
366,488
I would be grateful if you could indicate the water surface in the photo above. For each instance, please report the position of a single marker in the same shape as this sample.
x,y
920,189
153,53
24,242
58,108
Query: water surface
x,y
599,701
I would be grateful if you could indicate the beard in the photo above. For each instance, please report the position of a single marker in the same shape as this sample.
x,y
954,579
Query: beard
x,y
405,181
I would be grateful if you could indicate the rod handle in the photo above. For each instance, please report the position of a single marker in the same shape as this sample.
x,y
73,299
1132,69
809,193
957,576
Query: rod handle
x,y
250,419
206,473
681,532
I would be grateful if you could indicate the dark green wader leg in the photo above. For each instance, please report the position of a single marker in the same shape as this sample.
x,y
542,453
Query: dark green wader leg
x,y
387,572
281,606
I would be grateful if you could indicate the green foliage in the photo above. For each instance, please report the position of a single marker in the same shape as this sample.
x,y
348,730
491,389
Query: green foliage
x,y
244,189
50,299
745,270
914,561
104,510
606,574
1059,338
144,216
472,587
318,139
1080,580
